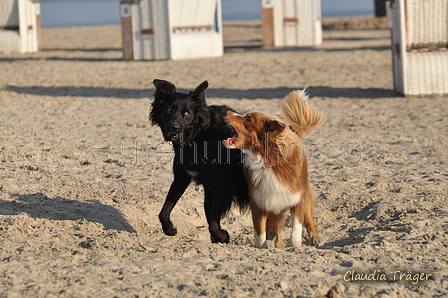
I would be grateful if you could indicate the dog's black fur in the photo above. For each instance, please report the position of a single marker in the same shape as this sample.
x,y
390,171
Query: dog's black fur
x,y
196,132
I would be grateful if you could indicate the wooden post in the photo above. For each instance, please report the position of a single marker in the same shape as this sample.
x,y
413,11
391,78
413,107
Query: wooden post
x,y
23,26
38,25
267,21
126,29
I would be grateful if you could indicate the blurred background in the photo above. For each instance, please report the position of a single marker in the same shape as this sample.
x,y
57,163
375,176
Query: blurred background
x,y
66,13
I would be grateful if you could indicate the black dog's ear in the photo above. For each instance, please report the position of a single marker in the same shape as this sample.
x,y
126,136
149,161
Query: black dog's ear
x,y
163,88
199,92
273,126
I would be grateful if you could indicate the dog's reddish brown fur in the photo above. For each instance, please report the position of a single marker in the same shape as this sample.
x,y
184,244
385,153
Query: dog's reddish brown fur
x,y
278,158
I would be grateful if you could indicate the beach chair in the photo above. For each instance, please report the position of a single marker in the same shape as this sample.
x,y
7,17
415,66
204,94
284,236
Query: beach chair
x,y
173,29
290,23
19,26
419,45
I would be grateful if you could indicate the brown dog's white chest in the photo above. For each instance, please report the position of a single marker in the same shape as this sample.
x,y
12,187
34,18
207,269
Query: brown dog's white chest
x,y
267,191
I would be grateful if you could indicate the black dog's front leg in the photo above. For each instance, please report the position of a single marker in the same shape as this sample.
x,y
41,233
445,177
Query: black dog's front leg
x,y
177,189
213,211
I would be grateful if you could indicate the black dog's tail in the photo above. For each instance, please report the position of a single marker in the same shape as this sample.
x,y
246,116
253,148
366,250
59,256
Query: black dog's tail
x,y
240,195
240,202
240,191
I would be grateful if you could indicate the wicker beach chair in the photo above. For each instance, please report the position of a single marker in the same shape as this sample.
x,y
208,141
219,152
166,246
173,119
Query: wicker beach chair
x,y
19,26
419,45
291,23
173,29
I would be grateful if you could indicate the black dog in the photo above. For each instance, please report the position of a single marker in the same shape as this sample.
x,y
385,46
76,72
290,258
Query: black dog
x,y
196,132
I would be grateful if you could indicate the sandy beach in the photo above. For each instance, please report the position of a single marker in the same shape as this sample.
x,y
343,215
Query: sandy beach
x,y
83,174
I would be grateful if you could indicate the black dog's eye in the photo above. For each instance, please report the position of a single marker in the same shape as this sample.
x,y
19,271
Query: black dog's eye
x,y
187,114
168,110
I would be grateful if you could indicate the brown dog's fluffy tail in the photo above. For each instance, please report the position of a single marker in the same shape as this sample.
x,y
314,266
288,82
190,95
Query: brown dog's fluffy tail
x,y
301,114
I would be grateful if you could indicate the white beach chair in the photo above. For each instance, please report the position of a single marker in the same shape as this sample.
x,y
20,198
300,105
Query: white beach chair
x,y
419,45
19,26
290,23
171,29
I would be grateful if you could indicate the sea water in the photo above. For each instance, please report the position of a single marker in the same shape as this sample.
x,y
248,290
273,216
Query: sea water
x,y
65,13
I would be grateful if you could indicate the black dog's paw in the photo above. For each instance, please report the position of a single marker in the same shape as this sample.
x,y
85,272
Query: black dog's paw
x,y
168,227
219,236
270,235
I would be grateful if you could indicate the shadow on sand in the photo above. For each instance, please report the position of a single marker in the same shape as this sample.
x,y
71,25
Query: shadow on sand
x,y
38,205
261,93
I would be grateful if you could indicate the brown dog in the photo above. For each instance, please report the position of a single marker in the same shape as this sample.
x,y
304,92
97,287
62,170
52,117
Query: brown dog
x,y
277,169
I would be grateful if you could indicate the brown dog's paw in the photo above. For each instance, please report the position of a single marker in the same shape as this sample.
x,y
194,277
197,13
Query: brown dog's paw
x,y
316,239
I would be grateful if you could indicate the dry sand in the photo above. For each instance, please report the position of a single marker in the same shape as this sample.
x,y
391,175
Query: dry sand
x,y
84,175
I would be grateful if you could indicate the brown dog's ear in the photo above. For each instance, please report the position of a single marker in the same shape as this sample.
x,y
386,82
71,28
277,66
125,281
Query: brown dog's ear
x,y
274,126
163,88
199,92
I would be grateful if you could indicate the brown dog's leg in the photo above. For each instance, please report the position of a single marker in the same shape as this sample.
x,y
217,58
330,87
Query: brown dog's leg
x,y
259,218
313,234
297,217
275,221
